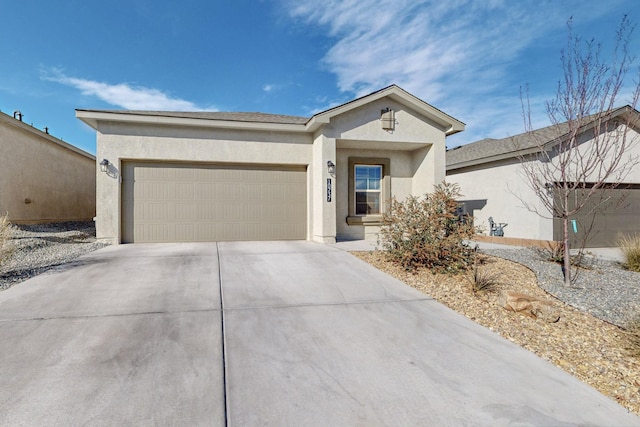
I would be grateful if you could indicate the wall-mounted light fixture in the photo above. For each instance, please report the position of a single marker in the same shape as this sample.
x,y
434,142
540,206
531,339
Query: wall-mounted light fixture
x,y
104,165
388,120
331,167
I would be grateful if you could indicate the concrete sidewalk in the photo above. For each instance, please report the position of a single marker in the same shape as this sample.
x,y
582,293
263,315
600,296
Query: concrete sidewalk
x,y
308,335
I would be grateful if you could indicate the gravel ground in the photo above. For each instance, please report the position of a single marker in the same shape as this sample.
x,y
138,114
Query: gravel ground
x,y
604,288
37,248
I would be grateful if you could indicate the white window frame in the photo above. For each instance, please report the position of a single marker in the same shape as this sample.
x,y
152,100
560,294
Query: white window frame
x,y
367,190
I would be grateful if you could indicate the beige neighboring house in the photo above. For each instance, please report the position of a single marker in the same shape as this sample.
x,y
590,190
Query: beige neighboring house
x,y
491,179
212,176
42,178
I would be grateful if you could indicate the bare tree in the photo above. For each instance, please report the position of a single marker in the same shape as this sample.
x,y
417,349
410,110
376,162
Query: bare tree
x,y
589,151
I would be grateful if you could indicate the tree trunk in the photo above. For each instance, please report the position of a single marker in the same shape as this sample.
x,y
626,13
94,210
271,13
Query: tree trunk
x,y
567,252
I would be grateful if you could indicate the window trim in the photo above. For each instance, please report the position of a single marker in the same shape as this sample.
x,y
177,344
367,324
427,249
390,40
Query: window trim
x,y
385,190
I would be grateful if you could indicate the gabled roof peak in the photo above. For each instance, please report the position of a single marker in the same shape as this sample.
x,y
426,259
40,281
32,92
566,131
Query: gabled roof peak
x,y
393,91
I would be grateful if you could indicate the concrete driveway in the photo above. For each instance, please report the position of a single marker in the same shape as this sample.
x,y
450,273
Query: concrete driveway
x,y
269,333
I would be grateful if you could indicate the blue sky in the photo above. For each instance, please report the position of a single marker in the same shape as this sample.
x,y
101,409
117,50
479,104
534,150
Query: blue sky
x,y
467,58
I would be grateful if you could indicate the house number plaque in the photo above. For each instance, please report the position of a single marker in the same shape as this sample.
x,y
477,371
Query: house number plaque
x,y
328,189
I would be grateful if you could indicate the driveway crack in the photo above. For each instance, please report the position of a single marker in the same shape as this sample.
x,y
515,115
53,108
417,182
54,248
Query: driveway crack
x,y
224,341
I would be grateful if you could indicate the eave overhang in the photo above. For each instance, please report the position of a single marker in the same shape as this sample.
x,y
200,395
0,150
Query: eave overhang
x,y
94,117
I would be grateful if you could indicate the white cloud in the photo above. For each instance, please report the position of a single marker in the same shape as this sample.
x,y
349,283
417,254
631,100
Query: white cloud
x,y
267,88
124,95
458,55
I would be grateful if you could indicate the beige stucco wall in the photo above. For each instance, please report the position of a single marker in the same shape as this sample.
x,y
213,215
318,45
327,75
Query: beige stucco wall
x,y
43,179
498,190
118,142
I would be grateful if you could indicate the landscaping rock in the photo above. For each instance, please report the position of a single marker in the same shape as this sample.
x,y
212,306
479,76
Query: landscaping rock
x,y
529,306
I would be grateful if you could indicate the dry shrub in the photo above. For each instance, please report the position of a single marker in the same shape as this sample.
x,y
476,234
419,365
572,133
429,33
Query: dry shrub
x,y
482,280
426,232
5,237
630,247
554,251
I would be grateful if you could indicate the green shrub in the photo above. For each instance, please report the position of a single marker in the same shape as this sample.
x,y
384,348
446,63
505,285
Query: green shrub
x,y
5,236
426,232
630,247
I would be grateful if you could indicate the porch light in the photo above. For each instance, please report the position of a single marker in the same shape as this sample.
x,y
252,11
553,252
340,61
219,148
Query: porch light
x,y
104,165
331,168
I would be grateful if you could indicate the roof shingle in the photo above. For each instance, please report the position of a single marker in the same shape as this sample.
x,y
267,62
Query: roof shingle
x,y
485,149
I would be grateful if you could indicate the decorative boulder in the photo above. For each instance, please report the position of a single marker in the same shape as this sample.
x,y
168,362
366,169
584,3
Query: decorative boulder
x,y
529,306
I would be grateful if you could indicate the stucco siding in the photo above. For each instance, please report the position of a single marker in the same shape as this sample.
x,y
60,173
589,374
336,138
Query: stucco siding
x,y
127,142
364,124
42,180
404,172
497,190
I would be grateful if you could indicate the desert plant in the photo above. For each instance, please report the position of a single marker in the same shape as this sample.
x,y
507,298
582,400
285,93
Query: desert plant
x,y
630,337
554,252
482,280
5,236
426,232
630,247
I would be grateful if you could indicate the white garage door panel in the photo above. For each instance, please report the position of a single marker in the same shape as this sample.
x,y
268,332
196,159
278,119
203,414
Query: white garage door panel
x,y
191,203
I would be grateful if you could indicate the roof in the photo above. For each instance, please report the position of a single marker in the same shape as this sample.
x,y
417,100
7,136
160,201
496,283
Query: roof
x,y
216,115
489,149
270,121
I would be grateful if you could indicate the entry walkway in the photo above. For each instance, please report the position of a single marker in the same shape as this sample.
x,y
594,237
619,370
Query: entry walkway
x,y
263,333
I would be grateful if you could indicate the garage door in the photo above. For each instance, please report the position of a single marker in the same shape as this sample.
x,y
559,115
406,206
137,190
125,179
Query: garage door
x,y
164,202
620,215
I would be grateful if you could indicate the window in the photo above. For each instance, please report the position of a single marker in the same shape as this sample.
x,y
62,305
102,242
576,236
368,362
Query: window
x,y
368,189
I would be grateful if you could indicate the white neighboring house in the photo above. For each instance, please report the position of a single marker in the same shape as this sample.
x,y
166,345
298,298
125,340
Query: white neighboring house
x,y
491,178
212,176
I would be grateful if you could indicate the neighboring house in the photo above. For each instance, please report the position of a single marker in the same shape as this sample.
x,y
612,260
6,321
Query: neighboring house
x,y
491,178
42,178
212,176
